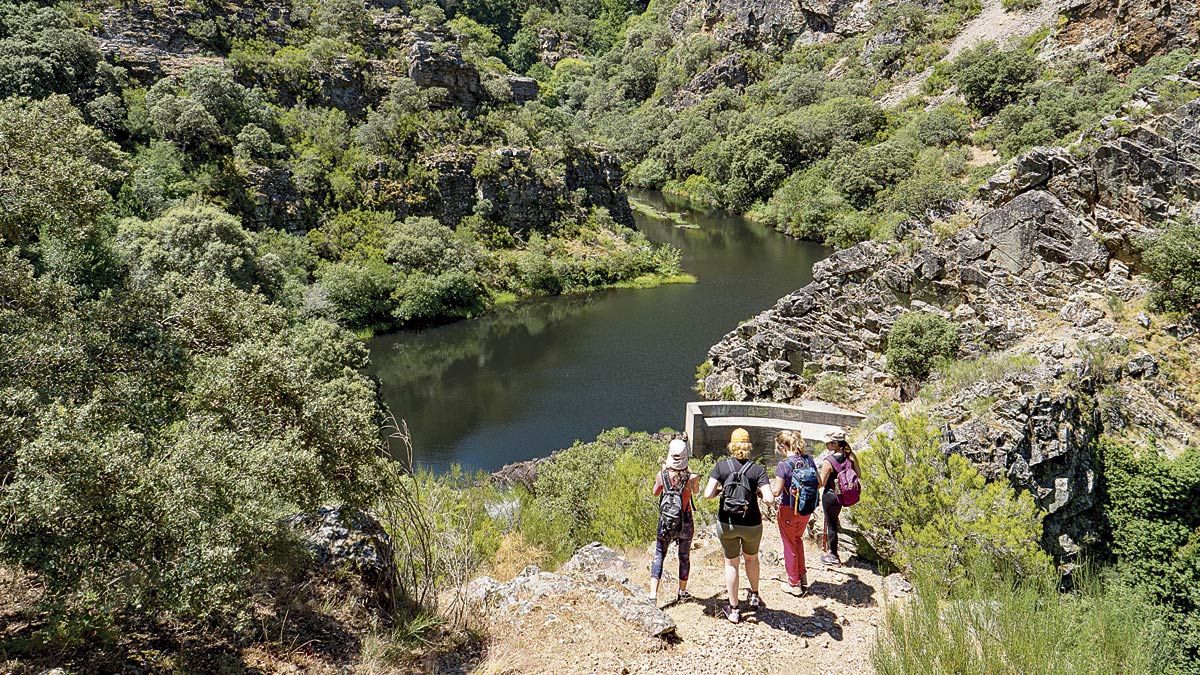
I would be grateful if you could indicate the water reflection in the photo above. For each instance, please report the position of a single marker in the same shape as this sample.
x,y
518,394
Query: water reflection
x,y
531,378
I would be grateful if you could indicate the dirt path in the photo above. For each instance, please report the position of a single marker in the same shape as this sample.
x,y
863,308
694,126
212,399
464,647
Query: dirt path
x,y
828,631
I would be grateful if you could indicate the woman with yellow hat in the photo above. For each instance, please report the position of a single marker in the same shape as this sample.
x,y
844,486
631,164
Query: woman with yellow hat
x,y
740,481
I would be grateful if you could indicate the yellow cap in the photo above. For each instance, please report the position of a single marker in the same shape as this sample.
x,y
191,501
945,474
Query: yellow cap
x,y
739,435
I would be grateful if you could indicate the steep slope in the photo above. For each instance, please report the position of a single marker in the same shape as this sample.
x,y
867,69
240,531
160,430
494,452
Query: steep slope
x,y
1042,279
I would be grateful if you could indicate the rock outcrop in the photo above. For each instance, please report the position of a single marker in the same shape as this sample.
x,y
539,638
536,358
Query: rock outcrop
x,y
343,538
438,64
1054,242
596,573
1129,32
729,71
506,188
774,24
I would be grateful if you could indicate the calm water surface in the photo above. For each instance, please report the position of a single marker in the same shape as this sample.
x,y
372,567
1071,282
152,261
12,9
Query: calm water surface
x,y
531,378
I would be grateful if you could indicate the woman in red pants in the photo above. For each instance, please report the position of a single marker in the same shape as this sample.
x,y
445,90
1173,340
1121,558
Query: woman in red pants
x,y
796,484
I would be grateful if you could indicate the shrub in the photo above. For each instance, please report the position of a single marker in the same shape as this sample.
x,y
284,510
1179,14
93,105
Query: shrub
x,y
1001,623
944,125
422,298
954,376
990,78
830,387
1153,506
356,235
1172,261
601,491
1019,5
360,294
872,169
916,341
425,245
197,240
924,508
929,191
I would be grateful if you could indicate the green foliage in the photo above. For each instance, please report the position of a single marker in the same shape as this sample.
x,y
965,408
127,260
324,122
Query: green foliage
x,y
199,241
1172,261
923,508
422,297
1019,5
150,462
599,491
356,294
831,387
57,172
1153,506
953,376
43,54
998,622
944,125
916,341
990,78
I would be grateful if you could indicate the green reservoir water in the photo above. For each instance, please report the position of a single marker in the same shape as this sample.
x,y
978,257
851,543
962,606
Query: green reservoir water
x,y
528,379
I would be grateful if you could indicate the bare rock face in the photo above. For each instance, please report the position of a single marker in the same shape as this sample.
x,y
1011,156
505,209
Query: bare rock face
x,y
768,23
596,572
524,89
1127,33
510,191
554,46
1056,235
350,539
276,200
437,64
729,71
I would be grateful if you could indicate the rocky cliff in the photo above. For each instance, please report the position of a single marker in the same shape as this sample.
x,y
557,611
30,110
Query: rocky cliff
x,y
1041,279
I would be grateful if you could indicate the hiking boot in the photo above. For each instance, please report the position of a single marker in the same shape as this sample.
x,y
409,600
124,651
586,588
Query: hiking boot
x,y
684,596
831,560
756,602
732,614
796,590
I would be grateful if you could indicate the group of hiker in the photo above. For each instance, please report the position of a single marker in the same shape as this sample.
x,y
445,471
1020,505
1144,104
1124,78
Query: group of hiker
x,y
798,485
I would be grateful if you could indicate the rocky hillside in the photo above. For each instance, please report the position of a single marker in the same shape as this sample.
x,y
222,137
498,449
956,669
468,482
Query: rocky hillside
x,y
1041,276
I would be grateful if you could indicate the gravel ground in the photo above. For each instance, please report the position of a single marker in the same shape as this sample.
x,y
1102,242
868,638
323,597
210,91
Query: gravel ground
x,y
828,631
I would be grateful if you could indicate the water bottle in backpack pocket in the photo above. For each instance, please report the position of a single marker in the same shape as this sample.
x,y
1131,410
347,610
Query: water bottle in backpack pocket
x,y
804,486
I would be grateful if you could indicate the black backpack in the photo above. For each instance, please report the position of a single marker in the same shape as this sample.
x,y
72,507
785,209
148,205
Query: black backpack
x,y
670,504
738,492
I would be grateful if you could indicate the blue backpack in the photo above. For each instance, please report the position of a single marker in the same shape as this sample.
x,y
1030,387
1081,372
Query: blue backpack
x,y
804,485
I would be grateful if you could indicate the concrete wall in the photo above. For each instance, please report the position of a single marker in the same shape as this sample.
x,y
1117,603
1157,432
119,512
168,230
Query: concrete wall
x,y
708,424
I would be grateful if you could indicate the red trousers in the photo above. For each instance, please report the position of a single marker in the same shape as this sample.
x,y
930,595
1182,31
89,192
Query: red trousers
x,y
791,529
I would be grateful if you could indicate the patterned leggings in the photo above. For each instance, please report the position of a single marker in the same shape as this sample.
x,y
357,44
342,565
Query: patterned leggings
x,y
683,538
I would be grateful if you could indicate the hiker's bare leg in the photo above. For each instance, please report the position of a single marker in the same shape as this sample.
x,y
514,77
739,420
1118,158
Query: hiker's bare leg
x,y
752,568
653,587
731,580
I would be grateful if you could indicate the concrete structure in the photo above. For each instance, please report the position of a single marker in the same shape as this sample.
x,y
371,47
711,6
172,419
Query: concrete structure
x,y
709,423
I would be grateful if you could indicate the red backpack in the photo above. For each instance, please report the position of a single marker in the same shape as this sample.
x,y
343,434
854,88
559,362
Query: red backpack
x,y
849,489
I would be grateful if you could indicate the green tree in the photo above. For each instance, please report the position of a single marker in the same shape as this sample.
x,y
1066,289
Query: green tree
x,y
924,508
197,240
990,78
1172,261
1153,505
916,341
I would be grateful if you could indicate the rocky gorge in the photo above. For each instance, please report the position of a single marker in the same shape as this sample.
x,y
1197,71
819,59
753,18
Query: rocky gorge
x,y
1043,263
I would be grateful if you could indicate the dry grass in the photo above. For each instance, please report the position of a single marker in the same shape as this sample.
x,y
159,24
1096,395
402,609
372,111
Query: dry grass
x,y
515,554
